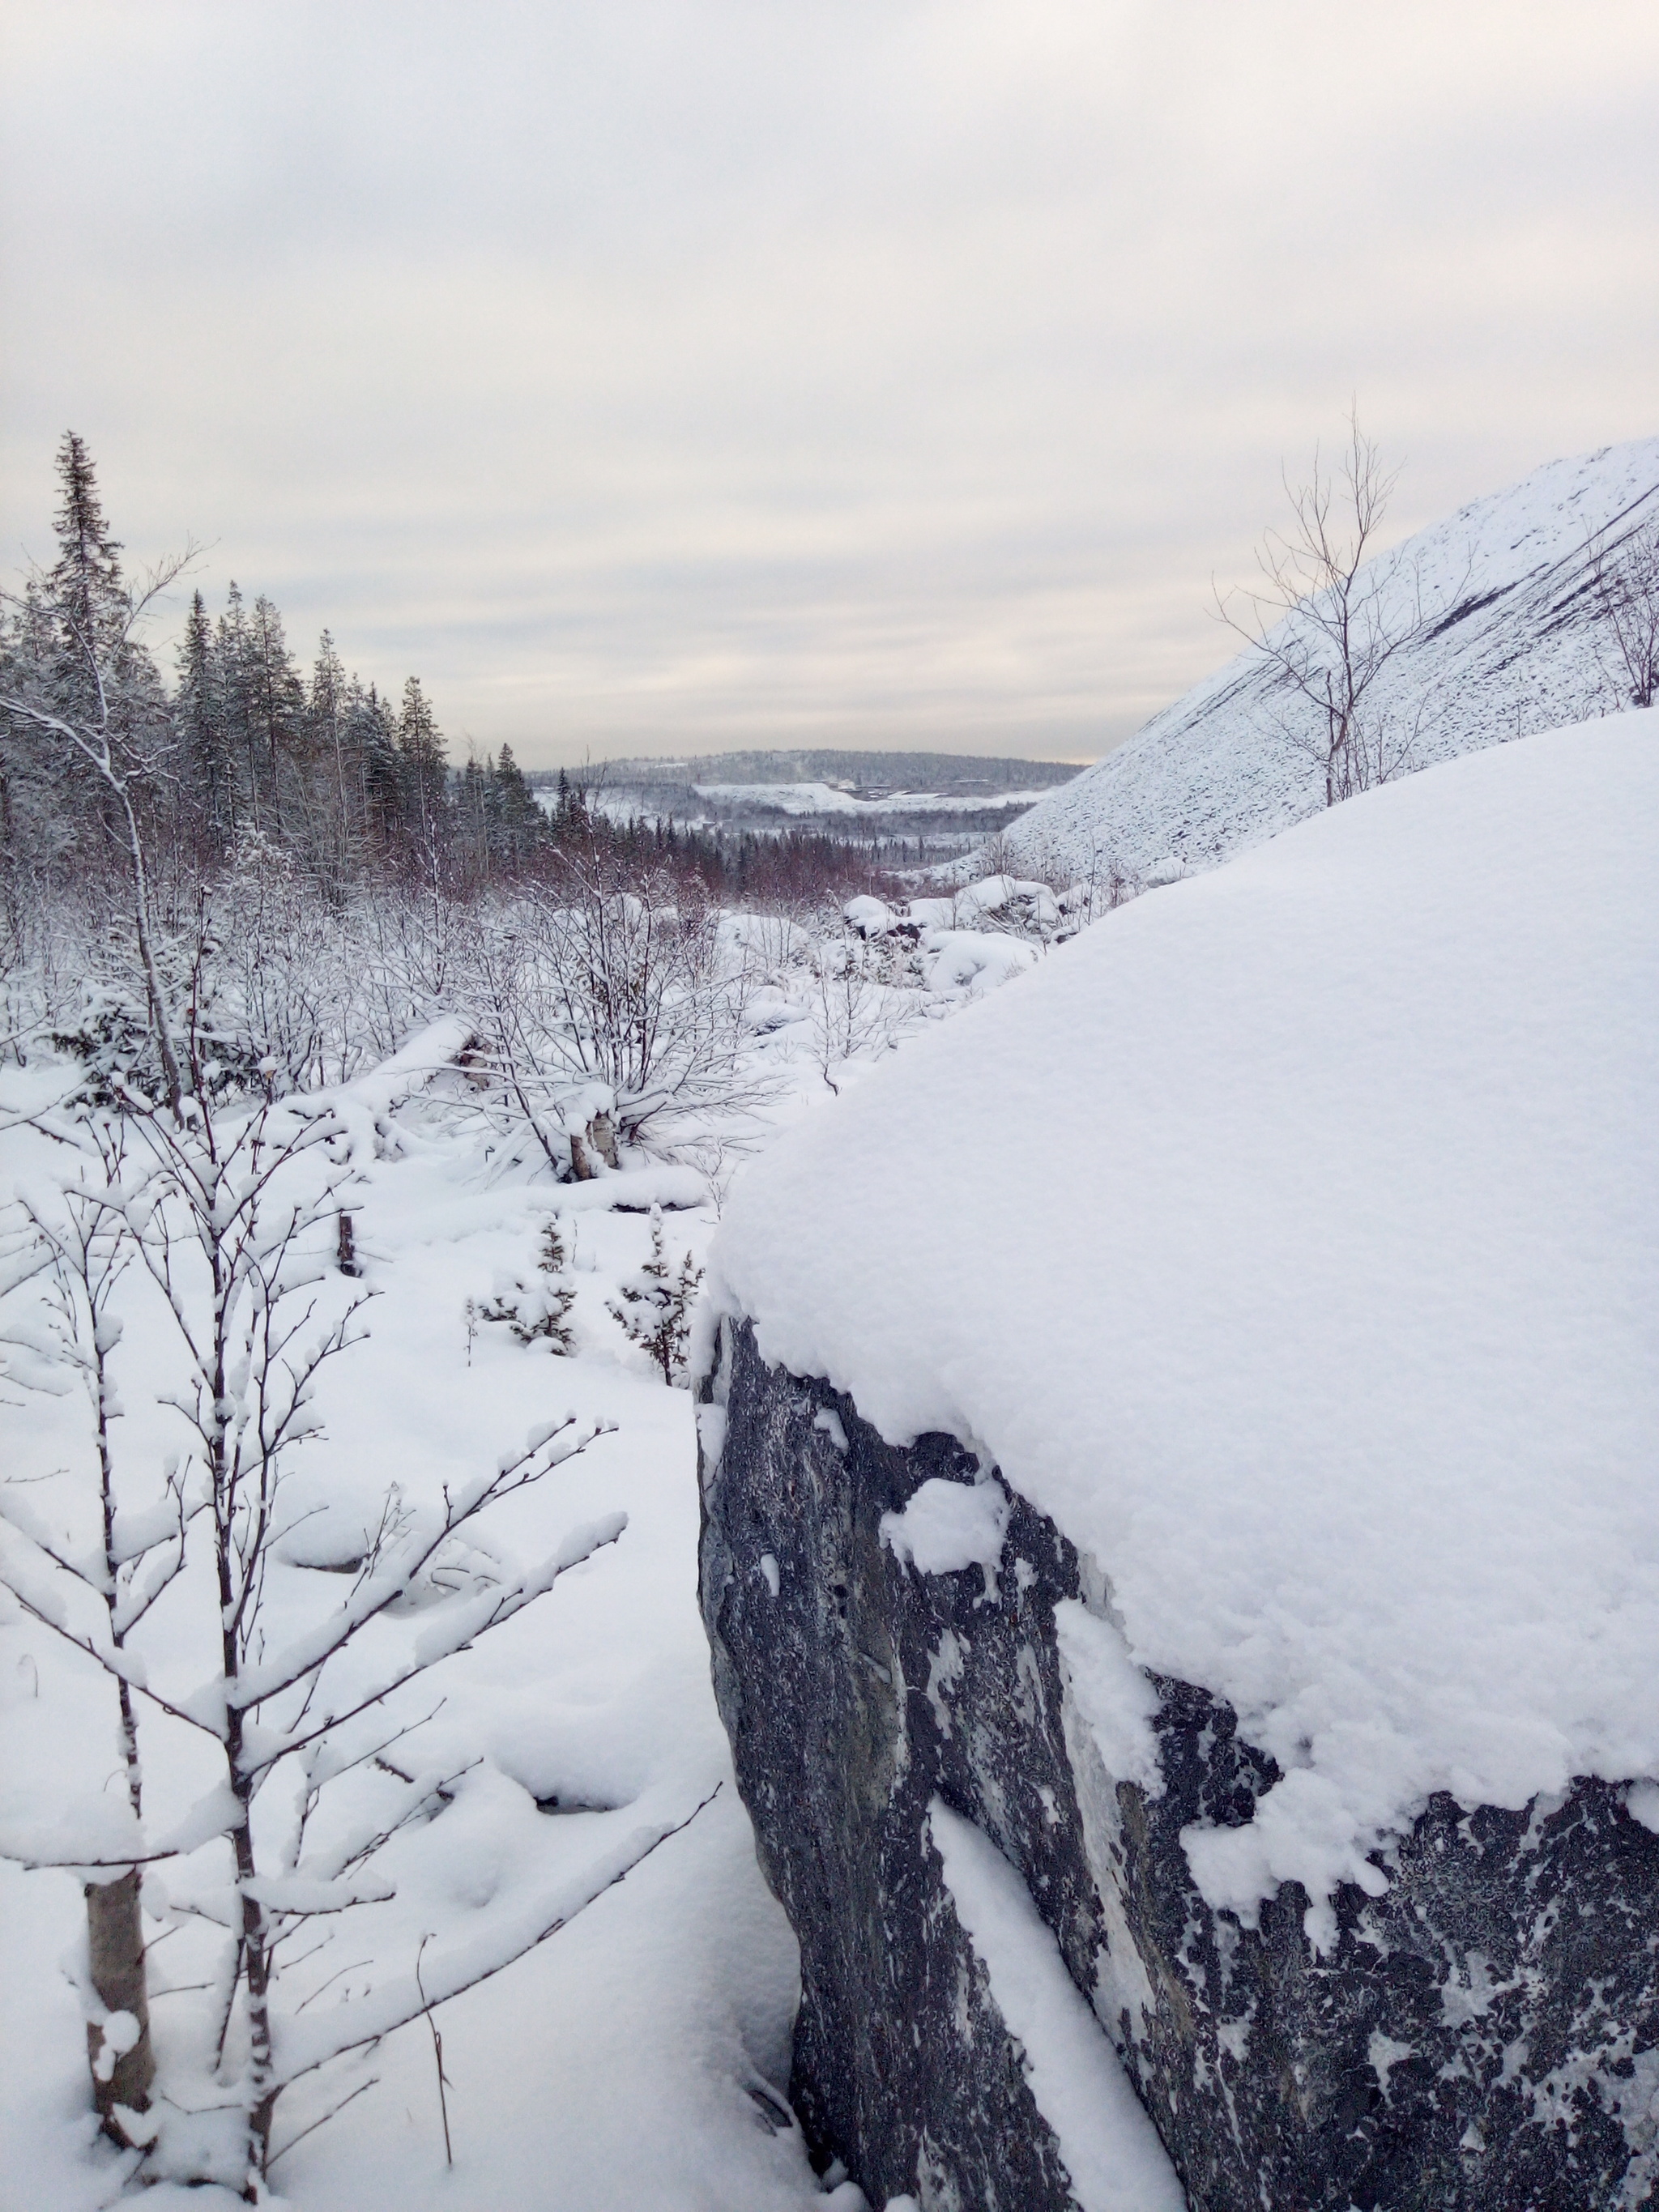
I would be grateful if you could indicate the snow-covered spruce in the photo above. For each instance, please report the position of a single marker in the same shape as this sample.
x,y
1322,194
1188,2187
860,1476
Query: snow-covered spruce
x,y
535,1309
1303,1325
653,1304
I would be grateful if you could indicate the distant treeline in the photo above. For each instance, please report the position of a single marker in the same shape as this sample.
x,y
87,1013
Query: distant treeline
x,y
968,773
244,746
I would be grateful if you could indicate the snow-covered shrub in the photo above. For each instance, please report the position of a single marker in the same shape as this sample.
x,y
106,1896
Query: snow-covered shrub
x,y
111,1030
605,981
537,1312
654,1305
969,963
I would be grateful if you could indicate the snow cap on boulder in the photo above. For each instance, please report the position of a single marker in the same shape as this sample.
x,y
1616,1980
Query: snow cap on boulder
x,y
1291,1240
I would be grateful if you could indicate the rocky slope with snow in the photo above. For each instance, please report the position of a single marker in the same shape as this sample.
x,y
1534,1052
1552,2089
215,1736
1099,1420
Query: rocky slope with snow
x,y
1204,1450
1515,645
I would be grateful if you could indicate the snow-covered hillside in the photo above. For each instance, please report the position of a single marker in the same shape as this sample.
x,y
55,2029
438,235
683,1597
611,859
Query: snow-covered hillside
x,y
1515,649
1316,1311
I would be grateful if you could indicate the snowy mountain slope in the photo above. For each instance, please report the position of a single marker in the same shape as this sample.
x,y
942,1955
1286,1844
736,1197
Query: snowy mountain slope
x,y
1515,649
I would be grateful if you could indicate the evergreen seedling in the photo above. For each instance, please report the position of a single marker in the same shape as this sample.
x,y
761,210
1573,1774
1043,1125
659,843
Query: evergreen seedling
x,y
655,1311
539,1312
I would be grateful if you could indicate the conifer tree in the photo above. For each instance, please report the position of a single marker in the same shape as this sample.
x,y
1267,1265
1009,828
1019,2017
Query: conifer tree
x,y
476,809
375,732
85,582
520,823
655,1311
330,734
539,1312
231,656
420,758
276,704
206,765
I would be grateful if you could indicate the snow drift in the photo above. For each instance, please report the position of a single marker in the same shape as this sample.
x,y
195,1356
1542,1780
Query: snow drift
x,y
1291,1241
1516,649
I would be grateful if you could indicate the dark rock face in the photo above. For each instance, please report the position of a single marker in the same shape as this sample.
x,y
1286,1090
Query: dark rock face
x,y
1485,2036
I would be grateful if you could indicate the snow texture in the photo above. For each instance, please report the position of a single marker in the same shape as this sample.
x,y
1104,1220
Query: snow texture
x,y
631,2061
946,1526
1291,1240
1111,2150
1115,1697
1516,651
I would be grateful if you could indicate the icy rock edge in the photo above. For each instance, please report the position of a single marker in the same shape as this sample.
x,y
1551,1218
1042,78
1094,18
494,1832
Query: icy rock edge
x,y
1484,2033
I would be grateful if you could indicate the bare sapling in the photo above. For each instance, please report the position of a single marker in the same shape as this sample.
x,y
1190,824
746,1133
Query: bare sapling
x,y
79,1248
234,1222
849,1012
1330,617
1625,581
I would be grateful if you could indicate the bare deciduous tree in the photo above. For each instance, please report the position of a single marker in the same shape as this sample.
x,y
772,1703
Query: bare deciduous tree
x,y
1330,617
231,1221
83,1248
1625,576
850,1012
609,1009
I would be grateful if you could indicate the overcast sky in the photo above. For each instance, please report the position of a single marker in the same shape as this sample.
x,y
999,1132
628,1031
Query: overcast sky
x,y
669,377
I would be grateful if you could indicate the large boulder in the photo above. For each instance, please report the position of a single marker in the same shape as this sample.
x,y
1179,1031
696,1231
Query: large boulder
x,y
1180,1550
1484,2033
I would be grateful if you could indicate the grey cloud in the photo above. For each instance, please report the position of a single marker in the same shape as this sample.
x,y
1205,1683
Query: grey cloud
x,y
643,375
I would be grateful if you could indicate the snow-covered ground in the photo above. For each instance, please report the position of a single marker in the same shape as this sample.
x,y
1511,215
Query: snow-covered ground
x,y
612,2066
641,2057
1515,648
1292,1240
1333,1215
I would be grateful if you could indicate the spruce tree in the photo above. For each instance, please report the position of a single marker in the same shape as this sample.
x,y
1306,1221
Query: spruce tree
x,y
330,727
655,1307
275,710
85,586
376,733
231,657
520,823
476,809
425,773
206,769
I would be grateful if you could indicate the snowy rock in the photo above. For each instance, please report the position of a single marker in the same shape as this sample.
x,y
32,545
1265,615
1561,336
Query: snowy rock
x,y
871,917
971,963
1299,1226
1482,2034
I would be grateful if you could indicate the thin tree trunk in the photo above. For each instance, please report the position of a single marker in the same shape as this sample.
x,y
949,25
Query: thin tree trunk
x,y
115,1932
115,1945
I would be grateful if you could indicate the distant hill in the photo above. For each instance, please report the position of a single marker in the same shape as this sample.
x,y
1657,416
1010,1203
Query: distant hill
x,y
899,808
1517,648
873,774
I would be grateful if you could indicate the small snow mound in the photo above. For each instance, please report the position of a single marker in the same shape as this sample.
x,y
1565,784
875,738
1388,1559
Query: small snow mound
x,y
871,917
948,1527
971,963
